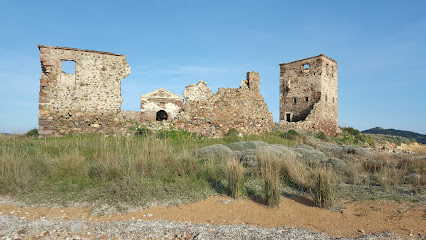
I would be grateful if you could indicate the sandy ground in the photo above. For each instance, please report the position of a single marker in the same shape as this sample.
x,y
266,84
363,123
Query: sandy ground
x,y
413,147
406,219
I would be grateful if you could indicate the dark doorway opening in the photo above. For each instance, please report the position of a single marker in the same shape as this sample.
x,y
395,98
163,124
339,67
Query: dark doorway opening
x,y
161,116
288,117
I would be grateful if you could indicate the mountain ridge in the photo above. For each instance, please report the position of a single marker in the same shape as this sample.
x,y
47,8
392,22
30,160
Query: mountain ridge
x,y
420,138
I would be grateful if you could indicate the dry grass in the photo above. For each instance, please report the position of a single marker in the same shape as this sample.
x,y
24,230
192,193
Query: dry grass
x,y
297,172
234,172
143,170
270,168
322,188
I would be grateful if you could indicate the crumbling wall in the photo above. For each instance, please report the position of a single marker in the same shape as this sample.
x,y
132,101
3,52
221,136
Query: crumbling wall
x,y
87,101
308,94
213,115
160,100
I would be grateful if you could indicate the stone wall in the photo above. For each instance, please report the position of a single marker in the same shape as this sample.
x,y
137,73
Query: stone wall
x,y
86,101
213,115
133,116
308,94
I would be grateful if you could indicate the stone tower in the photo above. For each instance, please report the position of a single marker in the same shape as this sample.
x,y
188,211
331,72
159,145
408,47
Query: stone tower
x,y
308,94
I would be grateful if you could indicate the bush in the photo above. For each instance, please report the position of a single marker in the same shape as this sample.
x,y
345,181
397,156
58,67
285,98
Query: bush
x,y
321,135
143,132
242,146
232,133
293,135
322,189
32,133
216,151
234,173
352,131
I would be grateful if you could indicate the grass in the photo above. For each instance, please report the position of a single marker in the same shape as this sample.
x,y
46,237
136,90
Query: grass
x,y
159,168
322,189
234,172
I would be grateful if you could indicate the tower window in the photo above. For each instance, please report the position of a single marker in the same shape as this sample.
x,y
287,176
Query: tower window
x,y
306,99
305,66
288,117
294,100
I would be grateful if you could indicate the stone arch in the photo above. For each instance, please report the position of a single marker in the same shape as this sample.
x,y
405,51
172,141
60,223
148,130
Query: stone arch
x,y
161,116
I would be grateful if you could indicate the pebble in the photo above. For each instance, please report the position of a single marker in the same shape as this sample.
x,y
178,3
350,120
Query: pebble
x,y
155,229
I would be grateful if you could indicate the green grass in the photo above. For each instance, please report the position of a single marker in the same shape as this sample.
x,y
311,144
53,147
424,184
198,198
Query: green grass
x,y
136,169
160,168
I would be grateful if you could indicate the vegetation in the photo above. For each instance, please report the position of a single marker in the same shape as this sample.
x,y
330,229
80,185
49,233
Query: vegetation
x,y
234,172
405,136
322,189
32,133
161,168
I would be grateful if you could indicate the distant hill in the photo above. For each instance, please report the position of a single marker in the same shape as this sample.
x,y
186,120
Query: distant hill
x,y
420,138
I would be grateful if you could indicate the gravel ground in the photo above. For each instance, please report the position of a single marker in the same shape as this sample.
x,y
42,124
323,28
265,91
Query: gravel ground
x,y
12,227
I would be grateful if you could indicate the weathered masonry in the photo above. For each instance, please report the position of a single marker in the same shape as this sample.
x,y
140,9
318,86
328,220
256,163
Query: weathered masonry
x,y
160,105
308,94
84,101
213,115
88,98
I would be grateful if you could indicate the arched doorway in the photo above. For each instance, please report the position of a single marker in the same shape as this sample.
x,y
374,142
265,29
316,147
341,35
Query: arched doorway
x,y
161,115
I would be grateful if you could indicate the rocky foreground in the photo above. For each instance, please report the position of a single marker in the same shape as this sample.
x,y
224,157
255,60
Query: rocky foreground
x,y
14,228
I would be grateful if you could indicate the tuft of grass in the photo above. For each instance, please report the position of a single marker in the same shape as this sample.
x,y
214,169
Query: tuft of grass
x,y
234,173
296,172
322,189
270,169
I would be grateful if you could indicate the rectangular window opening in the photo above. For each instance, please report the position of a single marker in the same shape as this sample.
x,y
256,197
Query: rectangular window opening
x,y
306,66
288,117
306,99
294,100
68,67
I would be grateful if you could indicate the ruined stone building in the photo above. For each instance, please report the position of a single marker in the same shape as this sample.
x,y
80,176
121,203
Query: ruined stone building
x,y
160,105
214,114
308,94
88,100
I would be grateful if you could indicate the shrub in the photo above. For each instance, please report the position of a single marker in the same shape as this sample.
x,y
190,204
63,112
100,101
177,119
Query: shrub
x,y
292,135
32,133
321,135
143,132
216,151
234,173
352,131
322,189
232,132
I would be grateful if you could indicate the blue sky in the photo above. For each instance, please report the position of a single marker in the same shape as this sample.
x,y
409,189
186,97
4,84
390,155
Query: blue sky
x,y
380,47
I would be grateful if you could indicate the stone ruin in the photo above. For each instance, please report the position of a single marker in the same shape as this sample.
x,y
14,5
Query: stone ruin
x,y
86,101
308,95
214,114
160,105
89,99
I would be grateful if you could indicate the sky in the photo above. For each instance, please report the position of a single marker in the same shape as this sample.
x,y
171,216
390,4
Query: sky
x,y
380,48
